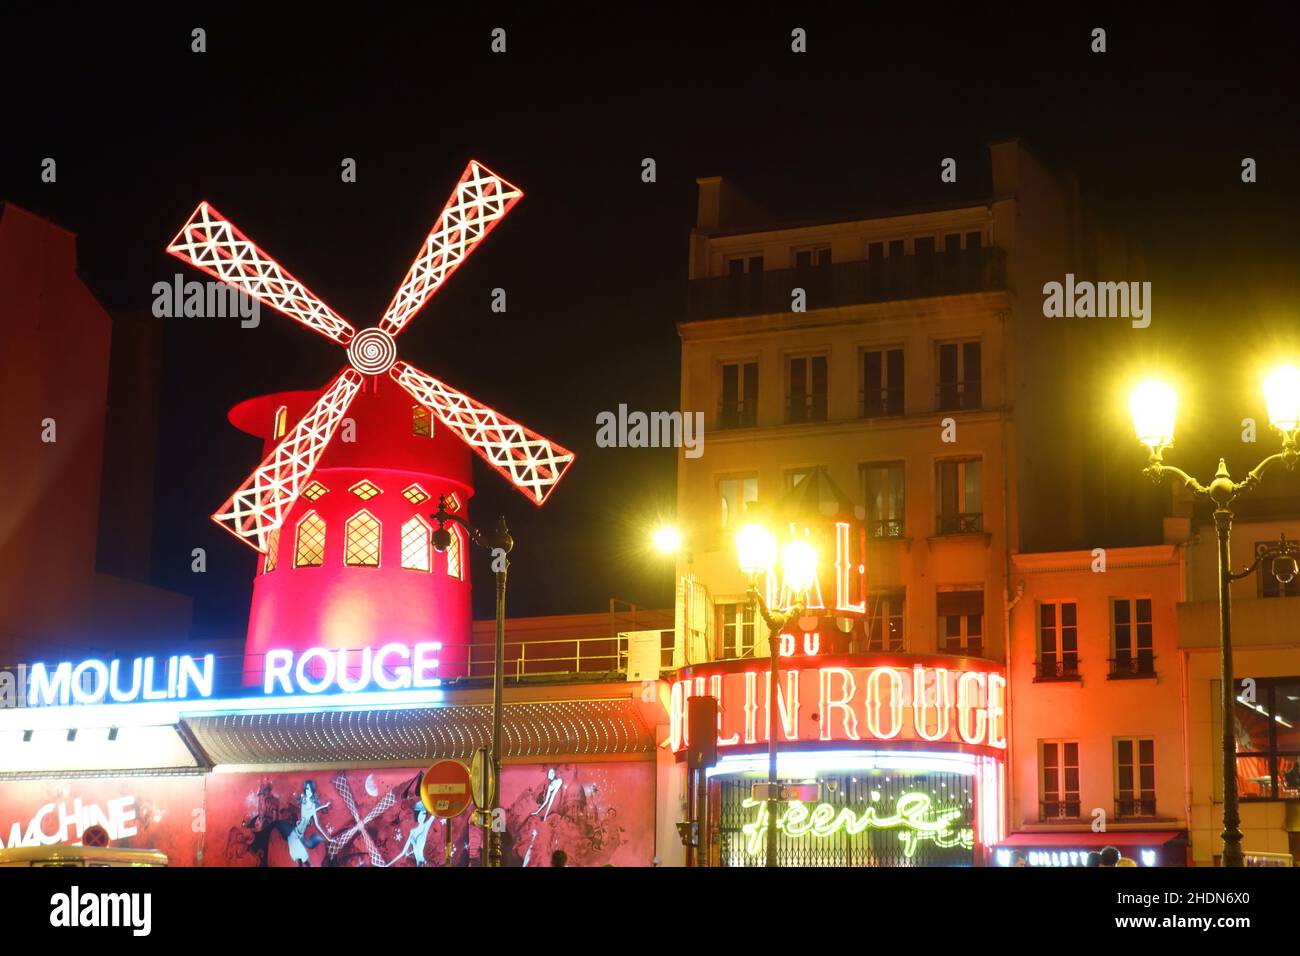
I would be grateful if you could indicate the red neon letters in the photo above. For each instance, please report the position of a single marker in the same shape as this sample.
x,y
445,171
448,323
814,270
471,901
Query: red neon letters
x,y
842,701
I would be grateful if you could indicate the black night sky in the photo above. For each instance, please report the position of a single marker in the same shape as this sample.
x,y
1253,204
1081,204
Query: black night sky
x,y
594,260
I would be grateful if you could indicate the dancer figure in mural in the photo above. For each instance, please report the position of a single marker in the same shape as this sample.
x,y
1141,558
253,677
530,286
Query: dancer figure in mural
x,y
296,834
553,786
415,840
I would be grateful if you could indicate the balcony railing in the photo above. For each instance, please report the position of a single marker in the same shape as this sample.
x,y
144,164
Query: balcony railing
x,y
1053,668
1126,668
849,283
881,402
736,414
1135,807
805,408
961,396
887,528
1059,809
963,523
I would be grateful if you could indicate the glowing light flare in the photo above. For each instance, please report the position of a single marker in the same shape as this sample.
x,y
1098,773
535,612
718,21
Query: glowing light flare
x,y
667,540
799,562
755,549
1153,406
1282,395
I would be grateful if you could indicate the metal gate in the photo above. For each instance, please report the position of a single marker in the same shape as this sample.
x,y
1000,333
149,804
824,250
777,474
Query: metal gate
x,y
900,819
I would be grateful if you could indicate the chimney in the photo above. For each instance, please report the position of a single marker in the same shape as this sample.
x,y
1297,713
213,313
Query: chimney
x,y
708,209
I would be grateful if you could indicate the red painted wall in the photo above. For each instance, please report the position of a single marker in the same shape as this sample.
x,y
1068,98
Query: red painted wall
x,y
598,813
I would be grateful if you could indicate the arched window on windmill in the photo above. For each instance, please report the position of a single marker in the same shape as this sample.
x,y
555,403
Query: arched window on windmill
x,y
309,543
272,551
281,422
455,553
416,541
421,421
361,541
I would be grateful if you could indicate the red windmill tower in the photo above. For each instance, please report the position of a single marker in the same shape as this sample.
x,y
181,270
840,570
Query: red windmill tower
x,y
358,569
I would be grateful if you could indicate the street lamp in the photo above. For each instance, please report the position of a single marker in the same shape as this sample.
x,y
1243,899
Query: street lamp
x,y
756,554
1153,406
499,544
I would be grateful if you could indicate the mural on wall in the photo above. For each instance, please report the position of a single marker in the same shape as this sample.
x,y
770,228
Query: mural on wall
x,y
154,813
597,814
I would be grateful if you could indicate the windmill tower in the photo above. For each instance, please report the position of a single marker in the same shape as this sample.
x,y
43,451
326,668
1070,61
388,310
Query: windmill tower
x,y
342,526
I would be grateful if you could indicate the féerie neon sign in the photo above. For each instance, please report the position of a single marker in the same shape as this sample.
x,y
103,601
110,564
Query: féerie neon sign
x,y
953,701
317,670
824,820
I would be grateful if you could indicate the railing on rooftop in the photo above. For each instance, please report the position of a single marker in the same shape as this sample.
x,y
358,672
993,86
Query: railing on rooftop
x,y
849,283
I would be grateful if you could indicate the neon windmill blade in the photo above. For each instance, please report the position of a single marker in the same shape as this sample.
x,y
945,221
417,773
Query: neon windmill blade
x,y
480,201
259,505
531,463
209,241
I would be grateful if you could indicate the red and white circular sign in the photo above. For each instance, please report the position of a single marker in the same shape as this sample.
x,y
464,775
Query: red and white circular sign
x,y
445,790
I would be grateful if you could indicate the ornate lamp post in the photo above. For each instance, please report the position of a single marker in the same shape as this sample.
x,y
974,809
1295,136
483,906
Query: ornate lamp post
x,y
756,552
499,544
1153,406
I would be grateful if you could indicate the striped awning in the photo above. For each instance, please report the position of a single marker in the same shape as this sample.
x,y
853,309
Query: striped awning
x,y
545,729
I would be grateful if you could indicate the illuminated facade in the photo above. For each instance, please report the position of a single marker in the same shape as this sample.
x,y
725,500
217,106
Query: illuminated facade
x,y
870,367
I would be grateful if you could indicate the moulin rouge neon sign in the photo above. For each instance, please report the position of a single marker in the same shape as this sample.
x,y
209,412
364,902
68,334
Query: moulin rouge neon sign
x,y
935,700
913,817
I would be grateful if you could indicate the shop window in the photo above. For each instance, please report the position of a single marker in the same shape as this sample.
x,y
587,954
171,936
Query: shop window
x,y
961,499
961,622
883,486
1058,775
884,622
882,382
1135,777
1131,639
737,630
416,544
1266,723
1058,641
309,543
361,541
272,547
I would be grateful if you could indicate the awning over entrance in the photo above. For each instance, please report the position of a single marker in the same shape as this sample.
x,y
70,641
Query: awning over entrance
x,y
1093,841
544,729
1071,847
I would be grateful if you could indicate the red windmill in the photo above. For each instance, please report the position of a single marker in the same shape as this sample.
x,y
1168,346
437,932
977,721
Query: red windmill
x,y
481,199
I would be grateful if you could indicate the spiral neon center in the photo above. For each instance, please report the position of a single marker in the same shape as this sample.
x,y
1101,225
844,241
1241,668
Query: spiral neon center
x,y
372,351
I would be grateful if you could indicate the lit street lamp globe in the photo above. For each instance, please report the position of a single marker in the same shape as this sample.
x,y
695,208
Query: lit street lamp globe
x,y
1153,406
755,549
